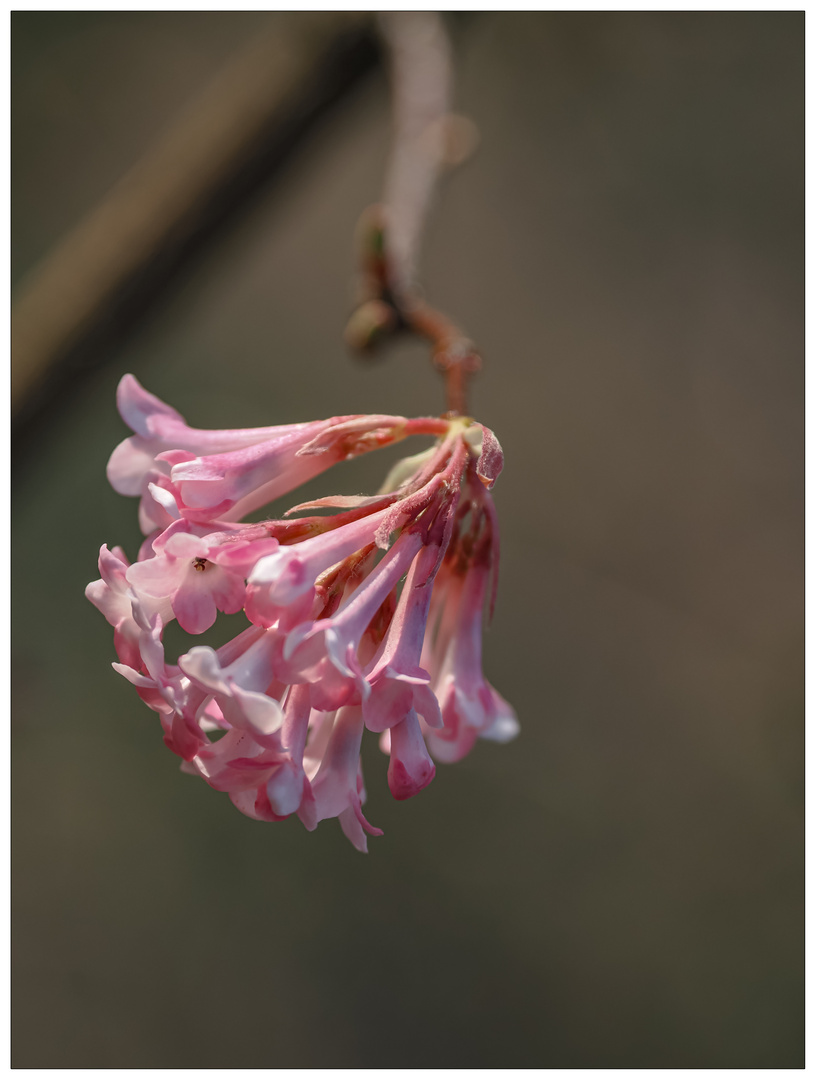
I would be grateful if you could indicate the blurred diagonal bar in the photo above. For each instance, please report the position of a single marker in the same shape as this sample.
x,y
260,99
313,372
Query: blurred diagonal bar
x,y
114,262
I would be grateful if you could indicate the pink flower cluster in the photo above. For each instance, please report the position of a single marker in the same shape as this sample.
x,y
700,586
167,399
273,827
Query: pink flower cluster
x,y
334,645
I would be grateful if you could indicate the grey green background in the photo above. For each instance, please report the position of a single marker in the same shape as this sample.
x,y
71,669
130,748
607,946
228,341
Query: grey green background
x,y
620,887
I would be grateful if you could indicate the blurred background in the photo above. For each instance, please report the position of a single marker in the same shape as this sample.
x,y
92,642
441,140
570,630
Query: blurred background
x,y
620,887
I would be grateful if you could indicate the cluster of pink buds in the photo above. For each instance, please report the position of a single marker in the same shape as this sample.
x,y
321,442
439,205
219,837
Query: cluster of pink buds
x,y
369,617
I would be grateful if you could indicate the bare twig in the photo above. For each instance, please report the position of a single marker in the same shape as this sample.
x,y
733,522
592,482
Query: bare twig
x,y
421,87
427,137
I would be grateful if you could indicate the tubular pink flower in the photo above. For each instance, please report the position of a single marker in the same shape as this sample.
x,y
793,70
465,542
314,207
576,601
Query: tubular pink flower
x,y
162,687
396,681
240,688
369,617
337,786
240,481
470,706
237,762
266,783
198,574
113,596
287,576
311,651
184,708
159,428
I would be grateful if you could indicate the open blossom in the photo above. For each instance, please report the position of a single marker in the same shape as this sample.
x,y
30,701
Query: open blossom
x,y
368,618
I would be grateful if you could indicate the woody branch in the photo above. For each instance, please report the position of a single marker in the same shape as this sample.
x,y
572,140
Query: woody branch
x,y
427,138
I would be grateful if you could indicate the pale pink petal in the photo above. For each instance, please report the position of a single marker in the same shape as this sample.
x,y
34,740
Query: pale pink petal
x,y
502,722
284,789
156,577
139,409
184,545
227,590
411,768
195,610
387,704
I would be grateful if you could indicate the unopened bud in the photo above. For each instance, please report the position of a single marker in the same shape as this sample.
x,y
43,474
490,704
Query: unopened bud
x,y
369,324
